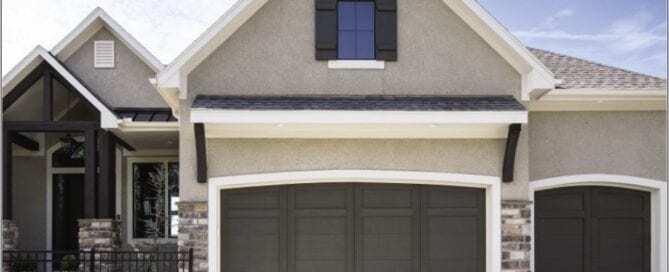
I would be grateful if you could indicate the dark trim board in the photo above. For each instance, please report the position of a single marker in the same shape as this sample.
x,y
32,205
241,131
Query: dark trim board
x,y
510,152
23,141
201,152
23,86
7,176
50,126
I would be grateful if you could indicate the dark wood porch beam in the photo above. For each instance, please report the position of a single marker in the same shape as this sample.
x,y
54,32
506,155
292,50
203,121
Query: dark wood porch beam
x,y
510,153
23,141
122,143
90,176
23,86
7,176
201,152
47,96
36,126
107,177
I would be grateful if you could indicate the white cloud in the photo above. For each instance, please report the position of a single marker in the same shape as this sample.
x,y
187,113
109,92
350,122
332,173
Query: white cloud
x,y
551,22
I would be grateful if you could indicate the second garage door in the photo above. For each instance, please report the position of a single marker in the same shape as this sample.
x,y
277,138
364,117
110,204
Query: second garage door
x,y
353,227
592,229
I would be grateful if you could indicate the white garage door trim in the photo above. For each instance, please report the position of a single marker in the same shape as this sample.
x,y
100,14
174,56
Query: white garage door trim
x,y
492,186
658,199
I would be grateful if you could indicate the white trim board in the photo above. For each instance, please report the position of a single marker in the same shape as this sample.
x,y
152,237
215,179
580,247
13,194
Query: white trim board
x,y
534,74
357,124
600,100
492,186
357,64
107,118
657,189
93,22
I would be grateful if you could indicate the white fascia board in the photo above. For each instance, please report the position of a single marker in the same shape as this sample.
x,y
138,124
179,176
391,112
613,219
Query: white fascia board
x,y
21,70
601,100
130,126
534,73
356,117
176,73
90,25
107,118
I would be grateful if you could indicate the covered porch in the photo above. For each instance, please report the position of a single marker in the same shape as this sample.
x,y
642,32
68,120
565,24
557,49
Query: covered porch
x,y
71,167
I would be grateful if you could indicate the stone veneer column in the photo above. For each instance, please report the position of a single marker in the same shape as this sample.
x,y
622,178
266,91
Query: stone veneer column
x,y
193,232
516,235
101,234
10,235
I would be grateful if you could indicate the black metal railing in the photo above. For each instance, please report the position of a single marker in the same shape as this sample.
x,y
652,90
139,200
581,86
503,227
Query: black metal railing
x,y
96,261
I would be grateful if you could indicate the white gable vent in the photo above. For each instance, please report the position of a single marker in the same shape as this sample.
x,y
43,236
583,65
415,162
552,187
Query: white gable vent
x,y
104,54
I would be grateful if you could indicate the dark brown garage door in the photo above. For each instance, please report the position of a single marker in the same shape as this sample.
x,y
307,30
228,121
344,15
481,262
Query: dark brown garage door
x,y
347,227
592,229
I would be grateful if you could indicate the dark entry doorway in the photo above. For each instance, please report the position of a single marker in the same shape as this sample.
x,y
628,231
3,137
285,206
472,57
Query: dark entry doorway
x,y
68,207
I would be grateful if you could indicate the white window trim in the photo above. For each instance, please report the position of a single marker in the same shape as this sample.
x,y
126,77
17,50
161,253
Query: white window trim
x,y
130,194
50,171
357,64
492,186
658,199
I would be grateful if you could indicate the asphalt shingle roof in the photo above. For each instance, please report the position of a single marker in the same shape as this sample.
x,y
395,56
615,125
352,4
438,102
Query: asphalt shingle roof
x,y
146,114
360,103
577,73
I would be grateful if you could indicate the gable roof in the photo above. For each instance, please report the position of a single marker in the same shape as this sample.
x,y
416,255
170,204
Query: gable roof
x,y
95,20
535,74
107,118
576,73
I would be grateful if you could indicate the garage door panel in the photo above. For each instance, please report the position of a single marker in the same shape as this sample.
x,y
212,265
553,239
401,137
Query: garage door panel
x,y
387,196
252,199
388,266
452,198
353,228
320,266
611,235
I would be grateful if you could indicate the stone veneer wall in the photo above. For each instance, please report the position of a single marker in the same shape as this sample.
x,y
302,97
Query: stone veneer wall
x,y
101,234
516,235
193,232
10,235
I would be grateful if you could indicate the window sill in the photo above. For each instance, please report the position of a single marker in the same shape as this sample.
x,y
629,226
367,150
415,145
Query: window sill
x,y
357,64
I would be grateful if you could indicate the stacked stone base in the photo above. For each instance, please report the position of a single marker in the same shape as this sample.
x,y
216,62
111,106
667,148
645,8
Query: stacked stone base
x,y
193,232
102,235
10,235
516,235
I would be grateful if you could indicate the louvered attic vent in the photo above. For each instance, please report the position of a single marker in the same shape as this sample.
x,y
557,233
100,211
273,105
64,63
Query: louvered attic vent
x,y
104,54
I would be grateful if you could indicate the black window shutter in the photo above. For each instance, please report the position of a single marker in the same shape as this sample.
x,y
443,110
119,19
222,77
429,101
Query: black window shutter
x,y
326,29
386,30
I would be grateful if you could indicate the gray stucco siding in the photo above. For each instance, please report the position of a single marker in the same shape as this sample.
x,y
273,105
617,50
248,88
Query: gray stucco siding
x,y
125,85
273,53
29,201
621,143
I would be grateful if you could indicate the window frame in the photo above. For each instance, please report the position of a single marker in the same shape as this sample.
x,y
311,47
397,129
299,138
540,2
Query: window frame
x,y
130,193
355,31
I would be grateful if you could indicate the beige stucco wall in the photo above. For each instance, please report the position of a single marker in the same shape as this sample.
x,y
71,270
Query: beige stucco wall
x,y
29,201
623,143
126,85
273,53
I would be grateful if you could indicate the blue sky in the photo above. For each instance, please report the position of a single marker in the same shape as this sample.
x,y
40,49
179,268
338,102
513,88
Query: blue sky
x,y
624,33
630,34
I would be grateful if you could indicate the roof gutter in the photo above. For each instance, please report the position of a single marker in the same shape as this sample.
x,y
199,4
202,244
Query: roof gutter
x,y
169,95
600,100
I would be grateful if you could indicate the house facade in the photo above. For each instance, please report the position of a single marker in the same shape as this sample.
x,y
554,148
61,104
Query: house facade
x,y
326,135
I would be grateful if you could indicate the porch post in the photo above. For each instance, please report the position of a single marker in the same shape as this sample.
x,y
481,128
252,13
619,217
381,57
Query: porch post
x,y
107,179
90,176
6,175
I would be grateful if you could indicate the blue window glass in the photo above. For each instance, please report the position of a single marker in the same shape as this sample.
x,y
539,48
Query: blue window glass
x,y
356,30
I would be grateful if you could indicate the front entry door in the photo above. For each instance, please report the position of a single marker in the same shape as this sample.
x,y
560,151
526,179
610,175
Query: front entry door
x,y
68,207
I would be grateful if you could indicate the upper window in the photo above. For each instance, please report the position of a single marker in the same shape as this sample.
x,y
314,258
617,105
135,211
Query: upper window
x,y
355,30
